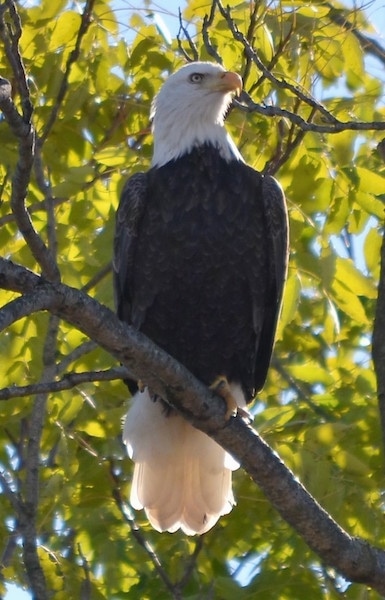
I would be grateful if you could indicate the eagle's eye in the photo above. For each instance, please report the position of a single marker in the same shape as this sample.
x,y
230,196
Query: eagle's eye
x,y
196,77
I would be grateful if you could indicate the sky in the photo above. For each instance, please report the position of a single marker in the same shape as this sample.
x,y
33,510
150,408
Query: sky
x,y
168,13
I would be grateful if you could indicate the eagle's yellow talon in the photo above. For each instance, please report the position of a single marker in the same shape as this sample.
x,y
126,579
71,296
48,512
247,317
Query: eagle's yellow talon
x,y
141,385
222,387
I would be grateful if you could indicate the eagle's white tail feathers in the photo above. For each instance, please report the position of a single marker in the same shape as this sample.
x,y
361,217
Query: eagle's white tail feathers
x,y
182,478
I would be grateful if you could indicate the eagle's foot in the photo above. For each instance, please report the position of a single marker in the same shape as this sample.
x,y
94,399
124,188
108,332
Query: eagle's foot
x,y
222,387
141,385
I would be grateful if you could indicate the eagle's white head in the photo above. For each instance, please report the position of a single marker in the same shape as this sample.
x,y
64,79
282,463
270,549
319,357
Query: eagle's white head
x,y
189,110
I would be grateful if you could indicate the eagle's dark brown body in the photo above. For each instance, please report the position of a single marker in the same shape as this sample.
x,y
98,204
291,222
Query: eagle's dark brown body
x,y
201,246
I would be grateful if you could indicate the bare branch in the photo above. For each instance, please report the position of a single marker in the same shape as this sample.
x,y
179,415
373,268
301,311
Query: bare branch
x,y
207,22
67,382
49,203
302,391
79,352
20,182
336,127
192,46
96,279
10,33
22,127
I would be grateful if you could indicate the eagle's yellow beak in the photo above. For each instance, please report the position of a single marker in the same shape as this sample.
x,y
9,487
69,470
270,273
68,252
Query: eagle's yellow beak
x,y
229,82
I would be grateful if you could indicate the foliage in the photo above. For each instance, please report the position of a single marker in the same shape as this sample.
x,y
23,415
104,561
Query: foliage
x,y
319,407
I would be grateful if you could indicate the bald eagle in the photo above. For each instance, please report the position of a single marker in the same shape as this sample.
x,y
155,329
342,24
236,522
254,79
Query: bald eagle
x,y
200,260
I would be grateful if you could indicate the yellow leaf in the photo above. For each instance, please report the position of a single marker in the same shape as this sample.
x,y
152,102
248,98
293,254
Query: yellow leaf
x,y
111,157
64,30
93,428
370,181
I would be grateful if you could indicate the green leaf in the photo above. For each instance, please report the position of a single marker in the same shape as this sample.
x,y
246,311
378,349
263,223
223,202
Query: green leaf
x,y
290,301
370,181
352,278
64,30
311,372
372,250
111,157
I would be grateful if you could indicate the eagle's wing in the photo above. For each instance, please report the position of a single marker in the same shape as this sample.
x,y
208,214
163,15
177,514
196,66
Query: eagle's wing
x,y
278,250
130,211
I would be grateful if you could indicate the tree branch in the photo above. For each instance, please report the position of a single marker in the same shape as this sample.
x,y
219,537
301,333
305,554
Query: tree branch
x,y
352,557
10,33
20,181
79,352
67,382
247,104
192,46
29,505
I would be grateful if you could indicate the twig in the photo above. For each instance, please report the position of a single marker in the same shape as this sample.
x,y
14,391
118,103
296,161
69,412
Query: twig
x,y
68,381
207,22
10,34
250,39
193,48
9,548
247,104
282,156
280,50
98,277
79,352
49,204
301,391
